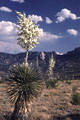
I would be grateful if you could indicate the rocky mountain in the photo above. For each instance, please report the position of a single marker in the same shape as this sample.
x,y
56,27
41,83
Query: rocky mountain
x,y
67,66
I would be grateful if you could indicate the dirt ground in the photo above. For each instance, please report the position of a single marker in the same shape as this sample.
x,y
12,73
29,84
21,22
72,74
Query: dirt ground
x,y
53,104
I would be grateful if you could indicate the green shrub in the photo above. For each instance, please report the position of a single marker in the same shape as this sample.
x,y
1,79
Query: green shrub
x,y
74,88
68,82
51,83
76,98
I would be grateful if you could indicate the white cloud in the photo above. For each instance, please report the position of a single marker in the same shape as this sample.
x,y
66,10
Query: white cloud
x,y
48,36
72,32
36,18
5,9
48,20
8,37
65,14
8,29
8,47
20,1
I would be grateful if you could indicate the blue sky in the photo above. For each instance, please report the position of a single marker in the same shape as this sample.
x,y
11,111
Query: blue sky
x,y
59,21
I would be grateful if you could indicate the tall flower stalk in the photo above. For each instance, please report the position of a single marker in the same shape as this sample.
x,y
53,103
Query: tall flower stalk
x,y
28,33
51,66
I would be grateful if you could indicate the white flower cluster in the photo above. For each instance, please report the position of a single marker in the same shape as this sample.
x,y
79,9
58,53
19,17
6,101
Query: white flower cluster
x,y
51,66
28,32
52,61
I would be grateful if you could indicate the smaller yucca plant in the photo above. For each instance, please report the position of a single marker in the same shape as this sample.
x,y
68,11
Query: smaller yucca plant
x,y
50,67
24,84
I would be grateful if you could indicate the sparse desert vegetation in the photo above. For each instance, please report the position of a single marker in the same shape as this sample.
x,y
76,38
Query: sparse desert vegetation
x,y
52,104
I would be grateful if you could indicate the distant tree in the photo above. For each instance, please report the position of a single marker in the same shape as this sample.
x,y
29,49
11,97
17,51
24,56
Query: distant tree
x,y
28,33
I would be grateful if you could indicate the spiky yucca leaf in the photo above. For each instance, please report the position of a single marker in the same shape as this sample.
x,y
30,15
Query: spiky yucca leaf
x,y
23,83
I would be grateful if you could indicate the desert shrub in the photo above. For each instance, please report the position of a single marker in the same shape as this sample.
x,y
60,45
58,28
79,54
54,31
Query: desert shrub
x,y
51,83
74,88
76,98
62,80
68,82
36,116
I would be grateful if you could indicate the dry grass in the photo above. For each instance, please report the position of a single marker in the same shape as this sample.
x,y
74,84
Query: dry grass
x,y
53,104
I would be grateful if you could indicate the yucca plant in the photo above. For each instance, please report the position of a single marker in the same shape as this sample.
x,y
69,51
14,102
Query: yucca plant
x,y
24,84
28,33
50,67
